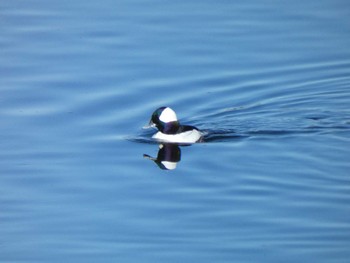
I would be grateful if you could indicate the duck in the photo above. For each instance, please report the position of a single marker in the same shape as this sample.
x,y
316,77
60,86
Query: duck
x,y
170,130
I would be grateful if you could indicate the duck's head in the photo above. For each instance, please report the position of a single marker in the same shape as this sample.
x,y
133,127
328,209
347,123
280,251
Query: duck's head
x,y
165,119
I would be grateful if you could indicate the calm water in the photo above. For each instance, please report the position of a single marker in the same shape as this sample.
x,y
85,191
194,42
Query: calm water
x,y
268,81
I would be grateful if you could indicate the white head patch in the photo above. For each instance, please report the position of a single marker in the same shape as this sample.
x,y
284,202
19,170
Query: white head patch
x,y
168,115
169,165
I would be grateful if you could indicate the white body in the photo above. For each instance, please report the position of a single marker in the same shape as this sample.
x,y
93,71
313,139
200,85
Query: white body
x,y
192,136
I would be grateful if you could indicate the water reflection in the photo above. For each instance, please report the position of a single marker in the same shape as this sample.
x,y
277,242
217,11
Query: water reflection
x,y
169,154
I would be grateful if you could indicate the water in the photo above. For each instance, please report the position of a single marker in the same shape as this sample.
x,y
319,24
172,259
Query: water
x,y
270,84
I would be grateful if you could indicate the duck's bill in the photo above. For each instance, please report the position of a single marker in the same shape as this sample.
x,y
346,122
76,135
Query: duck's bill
x,y
149,125
146,156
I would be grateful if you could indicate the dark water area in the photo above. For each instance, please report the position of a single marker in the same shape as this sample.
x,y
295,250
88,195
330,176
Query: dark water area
x,y
269,84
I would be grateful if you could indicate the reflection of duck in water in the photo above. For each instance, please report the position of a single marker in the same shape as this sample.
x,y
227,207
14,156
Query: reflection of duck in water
x,y
170,129
168,156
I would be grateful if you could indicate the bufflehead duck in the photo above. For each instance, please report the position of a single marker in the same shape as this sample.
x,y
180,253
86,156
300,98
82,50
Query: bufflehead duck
x,y
170,129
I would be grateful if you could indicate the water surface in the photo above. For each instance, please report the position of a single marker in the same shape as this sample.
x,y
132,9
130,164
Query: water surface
x,y
268,82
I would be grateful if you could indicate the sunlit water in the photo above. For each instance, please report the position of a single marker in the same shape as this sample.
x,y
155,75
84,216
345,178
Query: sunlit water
x,y
268,83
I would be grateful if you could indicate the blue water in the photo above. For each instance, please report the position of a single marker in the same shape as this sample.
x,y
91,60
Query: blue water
x,y
269,82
